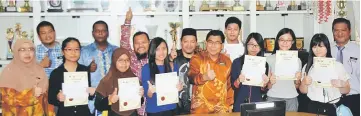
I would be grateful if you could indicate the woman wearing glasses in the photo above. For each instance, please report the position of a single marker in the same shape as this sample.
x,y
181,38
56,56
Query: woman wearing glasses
x,y
71,54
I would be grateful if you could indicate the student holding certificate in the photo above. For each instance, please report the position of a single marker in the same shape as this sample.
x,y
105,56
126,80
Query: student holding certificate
x,y
24,84
158,64
323,98
247,93
107,98
71,51
279,87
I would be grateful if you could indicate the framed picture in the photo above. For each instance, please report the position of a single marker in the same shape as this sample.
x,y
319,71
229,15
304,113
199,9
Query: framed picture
x,y
201,37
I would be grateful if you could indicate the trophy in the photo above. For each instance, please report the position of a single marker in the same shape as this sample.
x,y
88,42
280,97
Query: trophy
x,y
293,6
299,43
152,30
192,8
170,5
82,5
105,5
10,38
341,4
1,6
259,6
303,5
11,6
281,6
149,5
237,6
220,5
173,32
268,5
204,6
26,7
55,6
32,36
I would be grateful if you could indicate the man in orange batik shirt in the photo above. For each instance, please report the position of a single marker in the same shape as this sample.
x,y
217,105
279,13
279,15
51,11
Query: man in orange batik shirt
x,y
210,75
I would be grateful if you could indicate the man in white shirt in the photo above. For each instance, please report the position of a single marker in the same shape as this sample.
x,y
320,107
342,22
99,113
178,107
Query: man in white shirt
x,y
233,47
348,53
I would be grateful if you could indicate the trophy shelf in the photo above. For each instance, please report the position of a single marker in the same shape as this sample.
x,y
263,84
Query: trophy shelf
x,y
76,14
224,13
285,12
10,14
153,13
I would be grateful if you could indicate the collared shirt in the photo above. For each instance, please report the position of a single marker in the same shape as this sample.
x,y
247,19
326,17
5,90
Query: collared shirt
x,y
234,50
102,59
351,62
136,64
327,94
54,54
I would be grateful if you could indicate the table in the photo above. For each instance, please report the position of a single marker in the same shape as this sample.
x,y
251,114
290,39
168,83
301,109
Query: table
x,y
238,114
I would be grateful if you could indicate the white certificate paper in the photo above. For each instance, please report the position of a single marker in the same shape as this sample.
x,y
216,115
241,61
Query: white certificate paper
x,y
233,50
75,94
74,88
324,71
286,65
253,69
166,88
128,92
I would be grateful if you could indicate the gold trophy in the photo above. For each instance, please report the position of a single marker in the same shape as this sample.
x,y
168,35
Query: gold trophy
x,y
220,6
18,31
11,6
192,8
259,6
204,6
173,32
341,4
24,35
26,7
1,6
237,6
293,6
268,6
10,37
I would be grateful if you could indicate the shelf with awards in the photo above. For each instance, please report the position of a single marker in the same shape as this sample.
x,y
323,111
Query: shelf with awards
x,y
76,14
15,14
153,13
221,12
285,12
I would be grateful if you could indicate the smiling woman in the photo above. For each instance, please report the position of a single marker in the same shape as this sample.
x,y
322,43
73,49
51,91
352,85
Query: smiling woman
x,y
24,93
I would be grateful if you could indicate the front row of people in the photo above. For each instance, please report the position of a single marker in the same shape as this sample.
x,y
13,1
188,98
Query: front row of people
x,y
217,82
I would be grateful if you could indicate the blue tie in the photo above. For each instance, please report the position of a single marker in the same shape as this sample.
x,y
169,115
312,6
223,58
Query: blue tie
x,y
340,54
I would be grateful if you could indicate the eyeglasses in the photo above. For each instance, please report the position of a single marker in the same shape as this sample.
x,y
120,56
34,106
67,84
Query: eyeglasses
x,y
214,42
123,60
72,50
253,45
26,49
285,41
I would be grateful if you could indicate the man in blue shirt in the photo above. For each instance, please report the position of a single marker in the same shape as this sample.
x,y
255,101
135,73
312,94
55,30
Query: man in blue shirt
x,y
348,53
48,53
97,56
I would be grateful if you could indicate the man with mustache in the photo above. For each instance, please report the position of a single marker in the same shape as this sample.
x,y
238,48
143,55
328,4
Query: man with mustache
x,y
139,56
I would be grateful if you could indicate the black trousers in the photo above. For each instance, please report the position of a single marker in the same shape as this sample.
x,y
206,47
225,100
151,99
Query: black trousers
x,y
164,113
321,108
352,102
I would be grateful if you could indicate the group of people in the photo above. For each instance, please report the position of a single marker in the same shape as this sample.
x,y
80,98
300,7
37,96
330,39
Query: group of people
x,y
211,79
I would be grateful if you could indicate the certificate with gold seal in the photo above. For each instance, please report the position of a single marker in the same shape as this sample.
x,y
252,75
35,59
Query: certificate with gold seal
x,y
74,88
323,71
128,92
166,88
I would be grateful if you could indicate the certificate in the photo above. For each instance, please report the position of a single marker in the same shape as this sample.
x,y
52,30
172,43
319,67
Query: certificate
x,y
233,50
286,65
75,94
324,71
166,88
253,70
76,77
128,93
74,88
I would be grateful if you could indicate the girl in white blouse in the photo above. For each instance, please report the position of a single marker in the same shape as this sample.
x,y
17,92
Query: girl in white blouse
x,y
323,99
